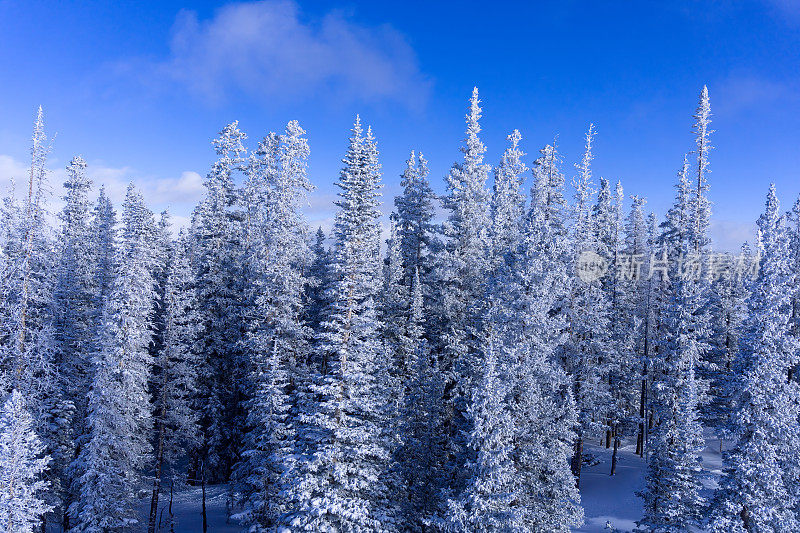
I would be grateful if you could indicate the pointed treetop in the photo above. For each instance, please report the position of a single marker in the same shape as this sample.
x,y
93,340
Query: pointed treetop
x,y
76,173
703,133
357,129
230,142
473,149
585,166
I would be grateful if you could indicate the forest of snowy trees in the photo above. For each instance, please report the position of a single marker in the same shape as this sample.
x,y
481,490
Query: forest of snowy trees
x,y
448,379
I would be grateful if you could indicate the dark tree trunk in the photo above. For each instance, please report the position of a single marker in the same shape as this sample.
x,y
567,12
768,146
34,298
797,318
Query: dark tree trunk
x,y
577,460
614,455
151,526
203,484
171,516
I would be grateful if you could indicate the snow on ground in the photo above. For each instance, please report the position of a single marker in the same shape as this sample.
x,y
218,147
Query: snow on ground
x,y
606,499
613,499
186,507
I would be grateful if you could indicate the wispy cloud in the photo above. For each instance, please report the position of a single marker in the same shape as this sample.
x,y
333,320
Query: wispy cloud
x,y
786,10
269,49
178,193
729,235
740,92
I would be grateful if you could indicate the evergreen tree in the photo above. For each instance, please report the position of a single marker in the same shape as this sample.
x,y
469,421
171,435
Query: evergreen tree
x,y
318,279
488,502
276,343
175,371
508,201
759,491
461,269
636,315
22,467
587,352
119,410
395,309
73,315
672,499
415,214
527,318
26,351
421,454
340,483
217,228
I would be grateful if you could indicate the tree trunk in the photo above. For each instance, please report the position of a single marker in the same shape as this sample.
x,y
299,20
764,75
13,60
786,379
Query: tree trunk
x,y
642,404
614,455
203,484
151,526
160,429
577,461
65,518
171,516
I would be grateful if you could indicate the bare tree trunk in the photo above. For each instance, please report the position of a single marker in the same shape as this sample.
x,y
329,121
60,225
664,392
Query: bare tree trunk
x,y
577,460
151,526
171,516
614,455
642,403
203,483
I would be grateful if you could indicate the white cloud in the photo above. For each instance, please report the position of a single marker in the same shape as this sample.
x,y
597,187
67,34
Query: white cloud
x,y
179,194
729,235
270,49
11,169
187,188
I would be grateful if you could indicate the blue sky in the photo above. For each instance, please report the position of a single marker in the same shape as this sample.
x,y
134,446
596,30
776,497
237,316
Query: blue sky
x,y
140,89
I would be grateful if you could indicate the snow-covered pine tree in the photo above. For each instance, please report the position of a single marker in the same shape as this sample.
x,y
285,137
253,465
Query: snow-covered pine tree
x,y
636,314
73,319
395,308
587,350
26,329
607,213
415,228
545,233
728,309
759,491
26,351
102,252
488,502
340,483
794,246
508,201
526,293
175,371
461,269
119,409
22,467
102,255
316,296
276,344
421,455
700,206
72,298
672,499
218,231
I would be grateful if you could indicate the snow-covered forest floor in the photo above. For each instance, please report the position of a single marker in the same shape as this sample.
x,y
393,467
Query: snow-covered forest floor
x,y
605,499
613,499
